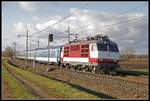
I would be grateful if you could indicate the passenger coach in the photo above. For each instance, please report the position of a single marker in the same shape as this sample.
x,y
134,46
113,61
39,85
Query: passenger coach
x,y
42,54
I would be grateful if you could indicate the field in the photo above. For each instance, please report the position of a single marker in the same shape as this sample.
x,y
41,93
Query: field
x,y
13,89
50,89
136,72
140,62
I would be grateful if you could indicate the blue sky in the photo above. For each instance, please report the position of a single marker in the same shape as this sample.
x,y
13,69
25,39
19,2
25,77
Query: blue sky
x,y
40,13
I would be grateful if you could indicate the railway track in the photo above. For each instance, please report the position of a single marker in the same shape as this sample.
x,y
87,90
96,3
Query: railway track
x,y
109,85
121,76
108,76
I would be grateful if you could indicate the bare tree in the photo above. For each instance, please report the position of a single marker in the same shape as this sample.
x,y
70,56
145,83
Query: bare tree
x,y
8,52
127,53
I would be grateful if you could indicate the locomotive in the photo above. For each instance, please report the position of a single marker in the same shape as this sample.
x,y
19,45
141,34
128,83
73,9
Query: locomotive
x,y
97,54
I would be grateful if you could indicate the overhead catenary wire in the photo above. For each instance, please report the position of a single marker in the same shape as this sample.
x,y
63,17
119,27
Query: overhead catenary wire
x,y
106,29
71,15
59,20
137,21
123,21
135,8
75,12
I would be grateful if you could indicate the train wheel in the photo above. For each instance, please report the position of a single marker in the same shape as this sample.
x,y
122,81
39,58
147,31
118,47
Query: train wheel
x,y
83,70
112,72
102,71
93,69
61,66
66,67
71,67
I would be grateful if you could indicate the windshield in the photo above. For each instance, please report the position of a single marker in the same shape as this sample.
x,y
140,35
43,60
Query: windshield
x,y
106,47
113,48
102,47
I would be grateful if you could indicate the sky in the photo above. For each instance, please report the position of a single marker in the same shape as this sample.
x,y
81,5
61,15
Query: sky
x,y
125,22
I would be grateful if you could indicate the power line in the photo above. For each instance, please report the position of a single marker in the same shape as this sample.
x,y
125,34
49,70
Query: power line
x,y
124,21
117,13
113,26
59,20
72,14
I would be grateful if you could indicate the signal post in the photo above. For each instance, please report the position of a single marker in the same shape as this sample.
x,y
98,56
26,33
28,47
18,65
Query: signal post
x,y
50,39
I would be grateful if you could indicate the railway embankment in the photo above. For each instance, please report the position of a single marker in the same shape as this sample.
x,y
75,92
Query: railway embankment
x,y
111,86
42,87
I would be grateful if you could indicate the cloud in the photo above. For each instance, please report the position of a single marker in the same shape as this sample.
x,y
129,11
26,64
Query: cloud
x,y
28,6
128,34
35,18
19,27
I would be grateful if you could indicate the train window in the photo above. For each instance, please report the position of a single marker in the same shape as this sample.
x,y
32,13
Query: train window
x,y
113,48
102,47
92,48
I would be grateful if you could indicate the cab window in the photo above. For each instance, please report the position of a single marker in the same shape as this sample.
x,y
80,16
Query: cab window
x,y
102,47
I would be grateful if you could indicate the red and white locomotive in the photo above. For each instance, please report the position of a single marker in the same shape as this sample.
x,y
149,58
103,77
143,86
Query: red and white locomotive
x,y
97,54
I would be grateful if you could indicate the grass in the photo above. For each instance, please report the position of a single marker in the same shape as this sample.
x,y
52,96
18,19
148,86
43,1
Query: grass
x,y
134,71
15,89
59,89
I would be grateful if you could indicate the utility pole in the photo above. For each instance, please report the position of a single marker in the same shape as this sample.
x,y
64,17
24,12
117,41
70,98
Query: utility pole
x,y
14,43
26,49
34,62
48,51
50,39
27,36
68,34
38,43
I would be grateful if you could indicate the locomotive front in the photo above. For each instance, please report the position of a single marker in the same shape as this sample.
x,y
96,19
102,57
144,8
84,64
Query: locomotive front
x,y
105,55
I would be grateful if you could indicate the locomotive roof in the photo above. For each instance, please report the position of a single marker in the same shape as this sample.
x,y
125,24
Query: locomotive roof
x,y
88,42
51,47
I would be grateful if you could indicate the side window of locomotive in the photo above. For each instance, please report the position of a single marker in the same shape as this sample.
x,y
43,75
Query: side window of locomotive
x,y
92,48
113,48
102,47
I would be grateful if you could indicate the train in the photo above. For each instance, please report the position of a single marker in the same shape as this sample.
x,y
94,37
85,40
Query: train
x,y
97,54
